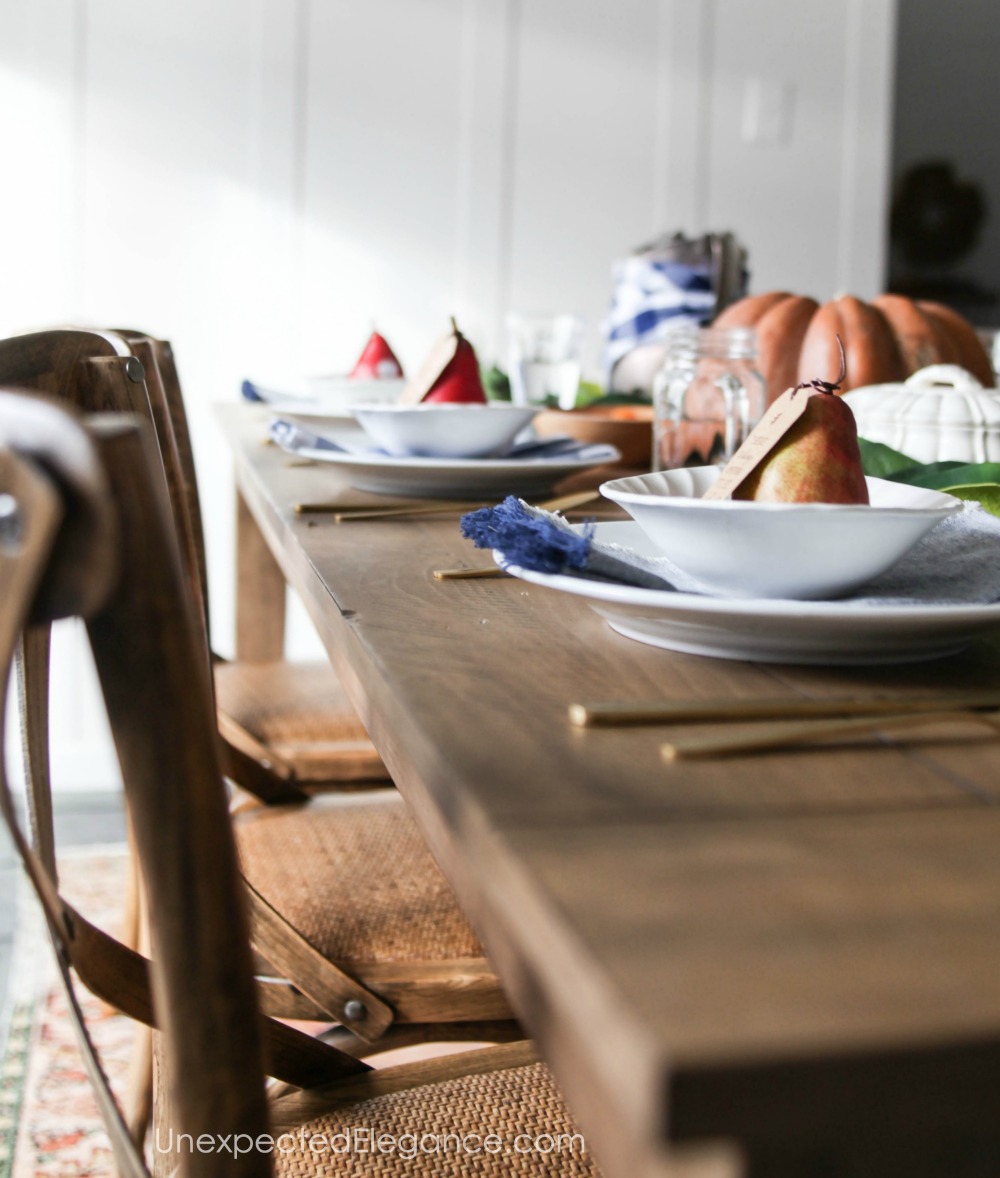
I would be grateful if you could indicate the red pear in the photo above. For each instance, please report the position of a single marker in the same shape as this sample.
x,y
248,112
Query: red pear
x,y
460,379
377,361
818,460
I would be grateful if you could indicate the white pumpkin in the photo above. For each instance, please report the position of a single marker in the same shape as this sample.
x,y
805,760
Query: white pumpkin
x,y
941,412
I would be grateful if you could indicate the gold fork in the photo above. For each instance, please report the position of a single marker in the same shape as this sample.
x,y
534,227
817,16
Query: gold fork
x,y
560,503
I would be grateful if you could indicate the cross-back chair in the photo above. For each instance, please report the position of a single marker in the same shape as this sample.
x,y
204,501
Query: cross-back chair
x,y
293,718
355,920
85,532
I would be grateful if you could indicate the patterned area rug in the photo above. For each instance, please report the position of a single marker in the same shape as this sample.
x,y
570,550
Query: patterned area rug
x,y
50,1125
49,1121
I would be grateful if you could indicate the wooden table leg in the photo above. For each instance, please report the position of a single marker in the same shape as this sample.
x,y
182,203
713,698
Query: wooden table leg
x,y
260,593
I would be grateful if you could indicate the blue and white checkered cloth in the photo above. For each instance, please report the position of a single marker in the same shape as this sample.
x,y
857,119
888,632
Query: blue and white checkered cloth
x,y
651,296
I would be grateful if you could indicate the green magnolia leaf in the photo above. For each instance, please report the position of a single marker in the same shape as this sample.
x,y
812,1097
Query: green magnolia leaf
x,y
495,384
636,398
965,480
881,461
588,393
988,494
941,476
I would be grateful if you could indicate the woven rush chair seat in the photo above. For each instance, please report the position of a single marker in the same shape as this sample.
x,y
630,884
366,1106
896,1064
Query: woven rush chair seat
x,y
516,1105
300,712
380,895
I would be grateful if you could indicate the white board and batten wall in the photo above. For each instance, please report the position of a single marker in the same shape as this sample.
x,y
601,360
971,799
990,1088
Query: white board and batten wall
x,y
261,180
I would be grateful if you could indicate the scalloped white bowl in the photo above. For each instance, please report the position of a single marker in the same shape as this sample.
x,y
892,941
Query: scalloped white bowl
x,y
444,430
803,551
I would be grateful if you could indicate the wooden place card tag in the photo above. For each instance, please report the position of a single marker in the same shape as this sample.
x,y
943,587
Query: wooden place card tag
x,y
762,439
437,360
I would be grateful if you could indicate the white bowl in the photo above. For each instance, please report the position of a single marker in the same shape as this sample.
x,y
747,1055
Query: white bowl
x,y
444,431
793,550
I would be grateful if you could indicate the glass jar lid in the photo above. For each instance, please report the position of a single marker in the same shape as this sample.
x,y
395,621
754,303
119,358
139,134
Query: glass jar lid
x,y
717,343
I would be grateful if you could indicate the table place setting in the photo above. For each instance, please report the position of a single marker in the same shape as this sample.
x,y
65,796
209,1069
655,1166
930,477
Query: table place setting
x,y
942,591
375,378
527,465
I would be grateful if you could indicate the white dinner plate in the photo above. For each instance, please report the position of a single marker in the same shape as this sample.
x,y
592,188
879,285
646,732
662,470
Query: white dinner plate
x,y
758,630
460,478
321,402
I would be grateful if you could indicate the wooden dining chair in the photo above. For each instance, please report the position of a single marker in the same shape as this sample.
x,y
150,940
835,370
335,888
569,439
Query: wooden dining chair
x,y
85,532
292,718
352,916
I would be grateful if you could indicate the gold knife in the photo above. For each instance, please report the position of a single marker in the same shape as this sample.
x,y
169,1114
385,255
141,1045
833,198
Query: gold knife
x,y
772,737
690,711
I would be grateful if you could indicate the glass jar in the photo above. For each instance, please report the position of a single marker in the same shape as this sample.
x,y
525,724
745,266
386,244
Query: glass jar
x,y
707,396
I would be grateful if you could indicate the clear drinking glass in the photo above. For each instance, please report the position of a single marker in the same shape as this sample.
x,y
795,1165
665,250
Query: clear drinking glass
x,y
707,396
543,355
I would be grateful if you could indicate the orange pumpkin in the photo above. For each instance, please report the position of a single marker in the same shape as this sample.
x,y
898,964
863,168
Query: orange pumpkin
x,y
885,340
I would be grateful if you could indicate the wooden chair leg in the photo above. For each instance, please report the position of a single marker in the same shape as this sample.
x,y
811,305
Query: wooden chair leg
x,y
130,929
131,923
139,1082
138,1101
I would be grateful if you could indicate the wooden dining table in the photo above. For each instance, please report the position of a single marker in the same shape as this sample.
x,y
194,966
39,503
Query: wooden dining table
x,y
779,963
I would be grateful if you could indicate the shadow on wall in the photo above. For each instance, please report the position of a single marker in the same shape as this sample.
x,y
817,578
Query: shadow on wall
x,y
937,220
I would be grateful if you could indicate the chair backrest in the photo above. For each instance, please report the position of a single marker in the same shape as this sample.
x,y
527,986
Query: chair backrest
x,y
97,372
94,372
101,371
166,400
85,531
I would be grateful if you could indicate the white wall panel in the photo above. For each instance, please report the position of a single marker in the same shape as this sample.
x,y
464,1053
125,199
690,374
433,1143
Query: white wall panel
x,y
865,181
190,164
382,177
585,159
40,145
792,197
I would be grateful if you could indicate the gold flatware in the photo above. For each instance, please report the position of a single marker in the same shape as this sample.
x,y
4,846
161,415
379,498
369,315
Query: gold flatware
x,y
437,508
492,570
773,737
391,505
689,711
560,503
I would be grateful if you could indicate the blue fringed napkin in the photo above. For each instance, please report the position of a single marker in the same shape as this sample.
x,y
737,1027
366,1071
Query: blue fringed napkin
x,y
546,543
294,438
956,563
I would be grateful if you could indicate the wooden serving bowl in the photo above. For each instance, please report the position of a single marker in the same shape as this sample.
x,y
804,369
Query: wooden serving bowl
x,y
628,427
